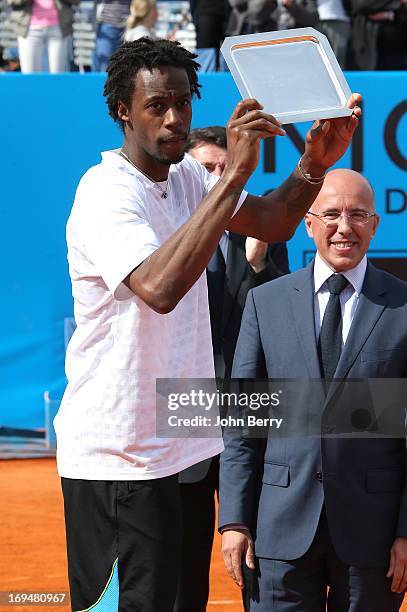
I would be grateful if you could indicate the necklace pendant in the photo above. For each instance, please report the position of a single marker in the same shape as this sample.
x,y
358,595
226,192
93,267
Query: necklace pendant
x,y
164,194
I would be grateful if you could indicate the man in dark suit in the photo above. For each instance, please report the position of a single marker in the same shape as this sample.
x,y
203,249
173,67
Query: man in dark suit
x,y
325,511
238,265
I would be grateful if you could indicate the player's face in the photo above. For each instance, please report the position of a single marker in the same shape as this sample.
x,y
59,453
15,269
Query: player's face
x,y
159,118
211,156
343,245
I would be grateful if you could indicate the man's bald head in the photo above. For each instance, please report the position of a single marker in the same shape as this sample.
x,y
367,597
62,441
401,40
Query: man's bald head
x,y
342,220
344,181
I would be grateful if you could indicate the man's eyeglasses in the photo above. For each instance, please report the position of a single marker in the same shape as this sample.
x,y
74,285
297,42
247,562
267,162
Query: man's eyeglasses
x,y
331,219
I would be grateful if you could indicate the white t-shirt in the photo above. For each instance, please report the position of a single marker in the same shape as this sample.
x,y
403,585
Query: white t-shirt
x,y
106,423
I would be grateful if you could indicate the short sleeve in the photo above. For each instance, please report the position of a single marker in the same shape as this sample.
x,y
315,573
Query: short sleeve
x,y
117,235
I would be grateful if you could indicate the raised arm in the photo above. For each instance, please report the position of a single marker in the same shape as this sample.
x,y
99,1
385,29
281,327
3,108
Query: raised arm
x,y
274,218
167,275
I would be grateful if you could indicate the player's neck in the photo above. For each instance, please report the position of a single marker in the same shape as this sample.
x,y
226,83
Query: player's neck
x,y
154,169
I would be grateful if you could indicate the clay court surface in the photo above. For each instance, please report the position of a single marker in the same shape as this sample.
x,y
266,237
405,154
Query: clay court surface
x,y
33,541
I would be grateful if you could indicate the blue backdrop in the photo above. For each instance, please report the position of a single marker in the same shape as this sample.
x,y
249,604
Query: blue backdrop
x,y
53,128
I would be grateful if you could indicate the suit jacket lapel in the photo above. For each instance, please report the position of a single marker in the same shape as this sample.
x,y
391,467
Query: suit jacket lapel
x,y
235,272
372,302
370,307
302,303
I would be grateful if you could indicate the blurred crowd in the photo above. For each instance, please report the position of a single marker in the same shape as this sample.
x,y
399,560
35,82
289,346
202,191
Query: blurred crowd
x,y
70,35
364,34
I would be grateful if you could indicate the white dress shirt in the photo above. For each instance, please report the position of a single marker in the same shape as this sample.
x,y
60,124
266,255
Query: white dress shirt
x,y
224,244
349,298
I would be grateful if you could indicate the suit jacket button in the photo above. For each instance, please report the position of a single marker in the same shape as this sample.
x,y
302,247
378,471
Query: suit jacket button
x,y
318,476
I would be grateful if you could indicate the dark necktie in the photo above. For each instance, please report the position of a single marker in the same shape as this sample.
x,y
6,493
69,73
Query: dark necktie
x,y
330,338
216,269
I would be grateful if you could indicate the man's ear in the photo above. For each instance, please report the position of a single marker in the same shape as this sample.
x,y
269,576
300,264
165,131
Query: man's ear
x,y
376,222
123,112
308,226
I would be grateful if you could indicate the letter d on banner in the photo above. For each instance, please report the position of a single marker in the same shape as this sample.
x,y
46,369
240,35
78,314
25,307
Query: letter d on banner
x,y
396,201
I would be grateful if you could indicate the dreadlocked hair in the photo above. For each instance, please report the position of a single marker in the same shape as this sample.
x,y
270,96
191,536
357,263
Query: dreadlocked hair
x,y
141,54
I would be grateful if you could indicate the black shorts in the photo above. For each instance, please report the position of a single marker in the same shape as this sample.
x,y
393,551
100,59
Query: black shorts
x,y
123,543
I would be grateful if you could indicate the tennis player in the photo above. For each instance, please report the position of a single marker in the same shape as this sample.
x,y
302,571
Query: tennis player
x,y
143,227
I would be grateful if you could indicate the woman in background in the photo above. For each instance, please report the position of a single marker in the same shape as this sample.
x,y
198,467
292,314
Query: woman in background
x,y
43,29
141,21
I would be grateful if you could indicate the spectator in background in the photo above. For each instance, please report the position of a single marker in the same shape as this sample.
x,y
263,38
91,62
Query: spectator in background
x,y
237,265
296,14
43,29
9,60
142,19
111,18
334,22
251,16
379,35
210,19
247,262
193,5
265,15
